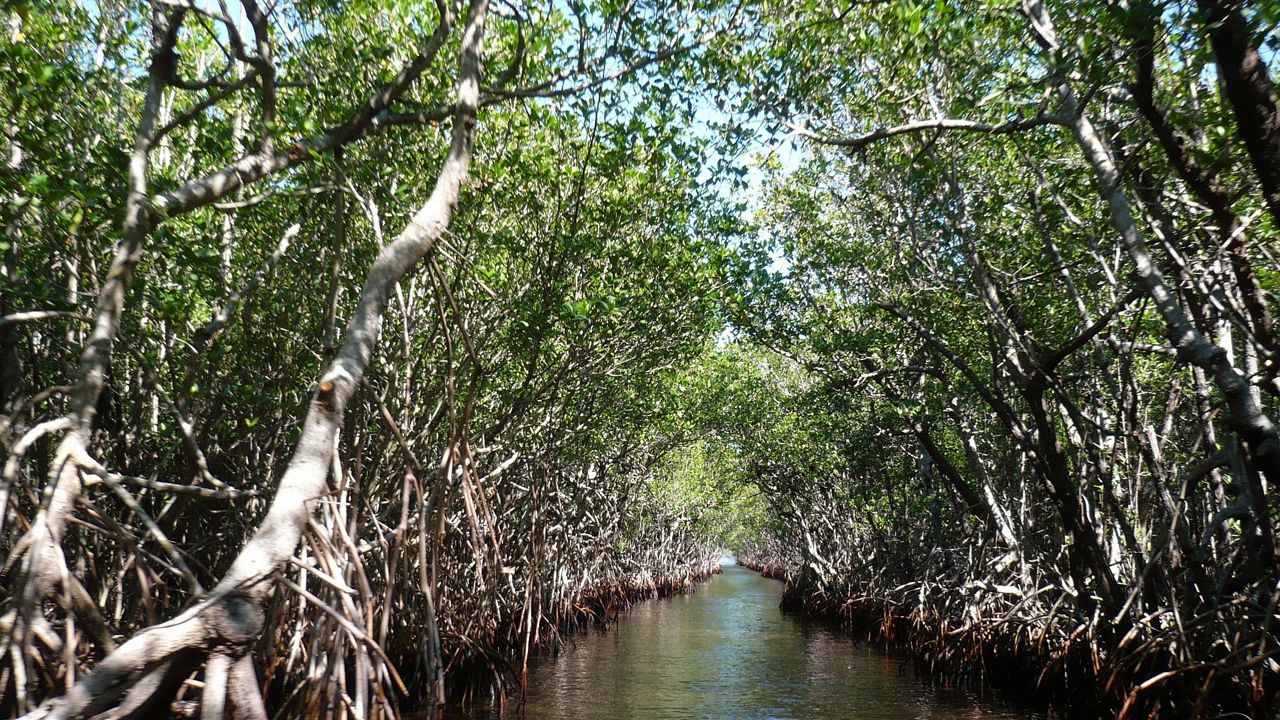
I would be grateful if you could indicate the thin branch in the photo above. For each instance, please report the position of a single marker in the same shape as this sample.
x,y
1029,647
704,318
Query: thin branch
x,y
859,142
227,312
34,315
1052,360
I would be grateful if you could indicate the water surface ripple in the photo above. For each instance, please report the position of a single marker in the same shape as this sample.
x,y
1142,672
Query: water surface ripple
x,y
727,652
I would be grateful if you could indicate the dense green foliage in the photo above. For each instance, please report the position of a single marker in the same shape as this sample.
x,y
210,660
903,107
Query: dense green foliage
x,y
1000,415
956,314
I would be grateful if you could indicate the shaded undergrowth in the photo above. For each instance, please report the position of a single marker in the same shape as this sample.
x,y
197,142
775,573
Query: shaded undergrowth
x,y
1077,669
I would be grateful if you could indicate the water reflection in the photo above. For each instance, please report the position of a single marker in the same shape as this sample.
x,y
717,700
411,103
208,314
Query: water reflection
x,y
728,653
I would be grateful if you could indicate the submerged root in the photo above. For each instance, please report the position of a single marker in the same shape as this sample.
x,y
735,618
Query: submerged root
x,y
487,664
1053,658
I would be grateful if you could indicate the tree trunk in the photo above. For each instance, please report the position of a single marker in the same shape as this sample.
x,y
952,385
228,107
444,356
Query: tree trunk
x,y
1248,88
231,617
1256,430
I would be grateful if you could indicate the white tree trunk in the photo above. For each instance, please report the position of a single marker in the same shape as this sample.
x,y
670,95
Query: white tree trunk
x,y
230,618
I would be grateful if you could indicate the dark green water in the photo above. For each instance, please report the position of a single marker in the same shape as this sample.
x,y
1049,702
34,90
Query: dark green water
x,y
727,653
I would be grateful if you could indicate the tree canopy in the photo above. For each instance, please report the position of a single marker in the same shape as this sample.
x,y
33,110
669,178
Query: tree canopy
x,y
350,352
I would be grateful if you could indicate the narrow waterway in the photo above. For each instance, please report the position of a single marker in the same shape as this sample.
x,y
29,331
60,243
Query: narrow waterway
x,y
727,653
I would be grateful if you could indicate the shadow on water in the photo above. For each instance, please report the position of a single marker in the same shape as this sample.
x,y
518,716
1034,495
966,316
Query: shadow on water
x,y
728,653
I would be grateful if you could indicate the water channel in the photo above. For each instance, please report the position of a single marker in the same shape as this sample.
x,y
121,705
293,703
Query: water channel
x,y
727,652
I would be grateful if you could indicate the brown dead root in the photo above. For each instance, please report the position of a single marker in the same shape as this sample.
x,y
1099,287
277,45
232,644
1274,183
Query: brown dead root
x,y
775,572
487,667
1077,673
